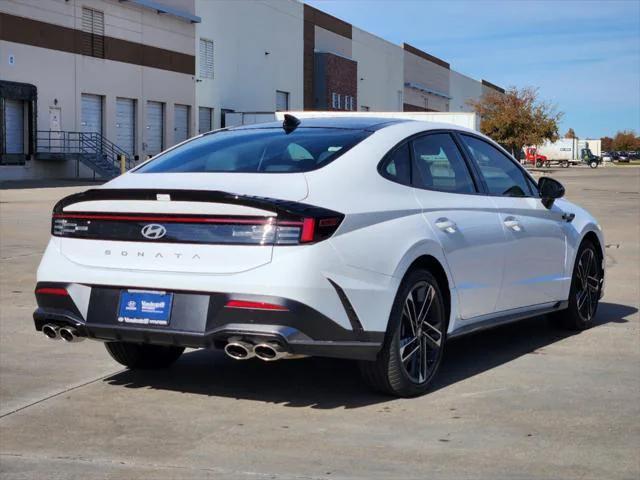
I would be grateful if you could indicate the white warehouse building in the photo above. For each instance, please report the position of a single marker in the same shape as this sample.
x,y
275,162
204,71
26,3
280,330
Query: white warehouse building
x,y
463,89
85,84
238,72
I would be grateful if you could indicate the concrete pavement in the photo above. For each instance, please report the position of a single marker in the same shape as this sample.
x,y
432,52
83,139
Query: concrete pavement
x,y
522,401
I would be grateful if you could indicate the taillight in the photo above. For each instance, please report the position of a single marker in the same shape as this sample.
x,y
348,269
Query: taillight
x,y
250,305
61,292
195,228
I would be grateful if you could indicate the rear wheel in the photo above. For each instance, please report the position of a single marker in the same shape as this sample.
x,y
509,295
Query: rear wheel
x,y
414,344
585,290
135,355
565,164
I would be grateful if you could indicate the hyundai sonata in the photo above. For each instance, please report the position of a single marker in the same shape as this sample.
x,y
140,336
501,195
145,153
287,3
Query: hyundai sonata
x,y
371,239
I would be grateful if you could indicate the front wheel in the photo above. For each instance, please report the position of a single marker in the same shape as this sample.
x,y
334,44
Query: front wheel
x,y
593,164
538,163
414,344
584,294
136,355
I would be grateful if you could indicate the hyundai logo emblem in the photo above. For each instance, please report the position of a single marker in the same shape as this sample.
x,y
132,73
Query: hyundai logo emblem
x,y
153,231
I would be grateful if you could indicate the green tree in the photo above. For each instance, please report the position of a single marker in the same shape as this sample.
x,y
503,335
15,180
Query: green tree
x,y
517,118
570,134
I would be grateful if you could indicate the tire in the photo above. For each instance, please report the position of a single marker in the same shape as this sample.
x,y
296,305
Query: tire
x,y
389,373
143,356
547,164
593,164
565,164
582,309
538,164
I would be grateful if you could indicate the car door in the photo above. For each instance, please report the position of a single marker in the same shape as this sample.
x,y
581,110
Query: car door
x,y
464,221
535,252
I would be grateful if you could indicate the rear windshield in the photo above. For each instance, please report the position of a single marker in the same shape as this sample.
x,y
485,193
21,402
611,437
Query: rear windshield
x,y
258,150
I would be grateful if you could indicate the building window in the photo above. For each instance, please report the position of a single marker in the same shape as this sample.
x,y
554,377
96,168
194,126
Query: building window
x,y
206,58
336,101
92,33
282,101
348,102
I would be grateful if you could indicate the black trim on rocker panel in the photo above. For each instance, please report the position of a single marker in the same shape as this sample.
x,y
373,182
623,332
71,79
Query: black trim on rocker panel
x,y
507,317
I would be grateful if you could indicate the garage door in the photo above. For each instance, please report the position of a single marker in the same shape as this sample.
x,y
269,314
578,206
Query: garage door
x,y
181,123
155,127
91,113
14,121
126,124
204,119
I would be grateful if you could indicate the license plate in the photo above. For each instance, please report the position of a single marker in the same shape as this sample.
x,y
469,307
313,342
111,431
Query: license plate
x,y
144,307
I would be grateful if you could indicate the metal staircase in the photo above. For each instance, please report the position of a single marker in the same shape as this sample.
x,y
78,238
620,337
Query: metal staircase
x,y
89,148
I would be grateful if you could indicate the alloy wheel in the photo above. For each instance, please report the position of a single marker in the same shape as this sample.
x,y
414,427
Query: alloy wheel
x,y
588,285
420,333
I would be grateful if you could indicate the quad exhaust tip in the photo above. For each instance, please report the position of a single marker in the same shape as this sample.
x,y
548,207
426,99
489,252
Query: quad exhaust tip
x,y
239,350
269,352
266,351
69,334
52,332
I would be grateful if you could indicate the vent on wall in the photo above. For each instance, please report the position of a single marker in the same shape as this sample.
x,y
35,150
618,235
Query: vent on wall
x,y
92,33
206,58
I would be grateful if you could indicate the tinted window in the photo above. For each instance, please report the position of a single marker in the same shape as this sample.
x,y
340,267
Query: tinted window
x,y
258,150
500,173
398,167
439,165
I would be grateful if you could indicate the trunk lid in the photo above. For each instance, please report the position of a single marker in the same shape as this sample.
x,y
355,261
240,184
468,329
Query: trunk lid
x,y
199,209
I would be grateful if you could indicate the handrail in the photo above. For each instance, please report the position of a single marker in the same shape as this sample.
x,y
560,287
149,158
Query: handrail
x,y
85,143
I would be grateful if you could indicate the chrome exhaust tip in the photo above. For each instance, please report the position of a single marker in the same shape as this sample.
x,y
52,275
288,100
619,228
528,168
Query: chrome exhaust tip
x,y
69,334
239,350
269,352
51,331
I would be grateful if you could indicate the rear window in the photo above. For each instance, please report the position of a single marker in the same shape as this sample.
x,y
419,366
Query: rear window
x,y
258,150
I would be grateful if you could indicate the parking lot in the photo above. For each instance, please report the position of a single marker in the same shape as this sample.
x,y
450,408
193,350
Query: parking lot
x,y
522,401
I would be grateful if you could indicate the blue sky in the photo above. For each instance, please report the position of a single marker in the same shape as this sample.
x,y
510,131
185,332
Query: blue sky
x,y
583,55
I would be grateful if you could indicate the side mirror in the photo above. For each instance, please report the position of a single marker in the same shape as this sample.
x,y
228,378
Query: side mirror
x,y
550,189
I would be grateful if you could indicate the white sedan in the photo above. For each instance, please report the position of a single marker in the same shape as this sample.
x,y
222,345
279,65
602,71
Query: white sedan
x,y
372,239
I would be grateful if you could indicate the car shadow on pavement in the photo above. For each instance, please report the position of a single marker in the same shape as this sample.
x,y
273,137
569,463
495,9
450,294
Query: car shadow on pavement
x,y
328,383
473,354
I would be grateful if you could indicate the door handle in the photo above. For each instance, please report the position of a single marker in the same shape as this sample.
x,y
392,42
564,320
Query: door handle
x,y
446,225
513,224
568,217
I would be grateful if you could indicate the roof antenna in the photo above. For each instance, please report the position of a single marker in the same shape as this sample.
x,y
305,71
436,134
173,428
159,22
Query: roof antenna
x,y
290,123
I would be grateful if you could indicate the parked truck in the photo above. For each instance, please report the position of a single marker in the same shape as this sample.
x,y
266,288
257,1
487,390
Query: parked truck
x,y
565,152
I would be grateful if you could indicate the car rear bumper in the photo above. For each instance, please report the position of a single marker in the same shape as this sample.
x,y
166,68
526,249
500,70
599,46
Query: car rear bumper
x,y
201,320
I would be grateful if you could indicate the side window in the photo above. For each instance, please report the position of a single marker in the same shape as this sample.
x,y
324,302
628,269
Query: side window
x,y
500,173
398,166
533,187
438,165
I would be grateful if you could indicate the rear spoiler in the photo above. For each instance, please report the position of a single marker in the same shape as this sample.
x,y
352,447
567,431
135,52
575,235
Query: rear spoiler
x,y
283,208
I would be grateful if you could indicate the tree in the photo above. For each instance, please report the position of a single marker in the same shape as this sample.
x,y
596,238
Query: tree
x,y
570,134
626,140
517,118
606,144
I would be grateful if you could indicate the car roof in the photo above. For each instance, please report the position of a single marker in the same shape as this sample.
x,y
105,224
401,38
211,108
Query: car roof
x,y
355,123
